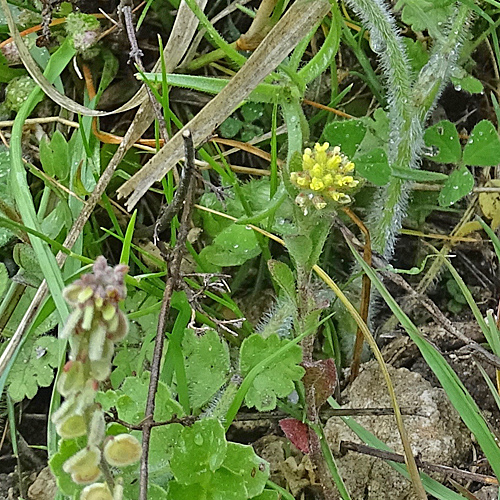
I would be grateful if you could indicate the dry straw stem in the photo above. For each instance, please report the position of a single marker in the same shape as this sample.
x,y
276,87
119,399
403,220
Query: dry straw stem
x,y
182,32
260,27
302,16
409,458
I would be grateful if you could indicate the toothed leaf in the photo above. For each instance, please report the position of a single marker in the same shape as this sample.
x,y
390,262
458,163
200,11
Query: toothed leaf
x,y
274,381
207,365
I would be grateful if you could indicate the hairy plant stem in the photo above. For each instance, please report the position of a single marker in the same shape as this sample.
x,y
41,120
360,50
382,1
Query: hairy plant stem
x,y
430,82
408,108
404,135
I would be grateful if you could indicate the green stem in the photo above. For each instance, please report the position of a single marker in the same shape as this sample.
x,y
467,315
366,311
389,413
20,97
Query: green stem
x,y
321,60
369,76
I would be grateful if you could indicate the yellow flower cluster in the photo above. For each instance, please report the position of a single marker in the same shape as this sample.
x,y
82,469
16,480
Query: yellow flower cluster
x,y
327,174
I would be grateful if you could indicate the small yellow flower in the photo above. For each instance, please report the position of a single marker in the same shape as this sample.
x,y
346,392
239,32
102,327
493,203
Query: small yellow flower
x,y
328,180
317,184
327,173
333,162
317,170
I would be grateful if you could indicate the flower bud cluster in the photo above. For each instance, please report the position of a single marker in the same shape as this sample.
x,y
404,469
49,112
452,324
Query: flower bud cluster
x,y
17,91
11,53
84,31
94,326
325,175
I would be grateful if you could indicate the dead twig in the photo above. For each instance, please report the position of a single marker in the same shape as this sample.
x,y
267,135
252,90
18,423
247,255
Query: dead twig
x,y
382,265
173,282
136,55
346,446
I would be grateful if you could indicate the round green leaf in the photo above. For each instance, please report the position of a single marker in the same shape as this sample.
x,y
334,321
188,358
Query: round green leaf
x,y
444,137
374,167
232,247
243,461
347,134
483,146
230,127
274,381
207,365
200,451
468,83
458,184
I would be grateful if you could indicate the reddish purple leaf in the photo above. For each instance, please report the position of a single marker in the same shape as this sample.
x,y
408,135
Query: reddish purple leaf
x,y
297,432
322,375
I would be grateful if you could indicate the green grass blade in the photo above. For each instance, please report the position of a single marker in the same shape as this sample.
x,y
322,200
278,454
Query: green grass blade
x,y
59,60
323,57
490,384
472,304
127,242
330,461
55,244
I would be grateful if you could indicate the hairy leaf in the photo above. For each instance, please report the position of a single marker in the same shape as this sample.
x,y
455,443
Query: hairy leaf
x,y
200,451
275,381
284,277
207,365
34,367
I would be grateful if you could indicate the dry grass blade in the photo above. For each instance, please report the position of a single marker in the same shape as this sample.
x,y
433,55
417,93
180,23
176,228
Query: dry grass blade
x,y
280,41
177,44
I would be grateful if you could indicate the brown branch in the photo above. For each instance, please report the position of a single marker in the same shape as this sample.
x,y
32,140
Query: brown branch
x,y
186,421
173,282
396,457
136,54
365,294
